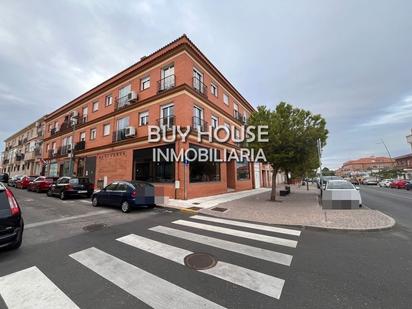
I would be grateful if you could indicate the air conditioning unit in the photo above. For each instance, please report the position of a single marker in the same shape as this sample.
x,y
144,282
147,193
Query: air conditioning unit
x,y
130,131
131,96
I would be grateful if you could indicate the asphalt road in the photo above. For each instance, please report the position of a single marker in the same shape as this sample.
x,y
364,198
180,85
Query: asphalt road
x,y
92,268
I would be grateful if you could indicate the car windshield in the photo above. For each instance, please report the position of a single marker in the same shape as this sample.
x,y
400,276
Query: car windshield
x,y
76,181
340,185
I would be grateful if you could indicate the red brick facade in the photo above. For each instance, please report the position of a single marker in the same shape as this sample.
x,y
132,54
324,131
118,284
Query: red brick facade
x,y
99,152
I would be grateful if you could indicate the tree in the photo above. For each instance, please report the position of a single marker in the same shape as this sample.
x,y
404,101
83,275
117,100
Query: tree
x,y
327,172
293,135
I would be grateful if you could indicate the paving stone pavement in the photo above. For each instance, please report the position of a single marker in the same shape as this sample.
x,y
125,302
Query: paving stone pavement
x,y
301,208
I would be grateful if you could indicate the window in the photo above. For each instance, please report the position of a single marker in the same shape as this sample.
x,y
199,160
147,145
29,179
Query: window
x,y
95,106
83,136
198,80
144,119
145,83
106,129
213,89
93,133
147,170
236,111
122,124
123,95
242,170
215,122
197,118
204,171
108,100
167,77
85,111
167,116
225,99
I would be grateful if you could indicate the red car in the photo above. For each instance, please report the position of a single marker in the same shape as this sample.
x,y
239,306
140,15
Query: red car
x,y
23,183
42,184
399,184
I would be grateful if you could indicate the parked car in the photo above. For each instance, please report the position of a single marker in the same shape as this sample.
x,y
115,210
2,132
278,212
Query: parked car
x,y
385,183
399,184
341,194
12,180
23,183
11,220
370,181
409,185
126,195
324,180
66,187
4,178
354,181
41,184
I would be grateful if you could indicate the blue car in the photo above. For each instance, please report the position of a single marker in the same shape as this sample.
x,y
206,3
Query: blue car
x,y
126,195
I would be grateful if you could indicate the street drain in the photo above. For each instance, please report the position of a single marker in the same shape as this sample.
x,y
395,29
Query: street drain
x,y
94,227
220,209
200,261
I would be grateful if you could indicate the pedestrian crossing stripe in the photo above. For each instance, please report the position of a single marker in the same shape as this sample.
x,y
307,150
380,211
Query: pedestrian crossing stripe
x,y
253,280
30,288
248,225
150,289
263,254
238,233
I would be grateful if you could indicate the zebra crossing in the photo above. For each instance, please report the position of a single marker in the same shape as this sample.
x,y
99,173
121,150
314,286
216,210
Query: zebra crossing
x,y
37,290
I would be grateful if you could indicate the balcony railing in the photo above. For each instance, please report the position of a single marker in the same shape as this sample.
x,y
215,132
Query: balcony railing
x,y
199,86
166,123
119,135
237,115
54,131
19,157
37,151
6,161
166,83
65,149
80,146
199,124
52,153
126,100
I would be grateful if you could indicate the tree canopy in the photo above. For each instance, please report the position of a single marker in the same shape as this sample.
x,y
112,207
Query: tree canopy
x,y
293,136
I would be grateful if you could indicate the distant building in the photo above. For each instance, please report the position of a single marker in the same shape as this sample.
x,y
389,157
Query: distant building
x,y
405,163
365,165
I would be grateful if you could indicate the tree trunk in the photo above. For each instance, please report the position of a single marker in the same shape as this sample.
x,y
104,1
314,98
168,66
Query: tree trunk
x,y
273,193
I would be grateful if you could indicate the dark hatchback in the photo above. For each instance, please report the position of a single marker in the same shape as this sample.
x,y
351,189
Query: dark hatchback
x,y
11,221
66,187
126,195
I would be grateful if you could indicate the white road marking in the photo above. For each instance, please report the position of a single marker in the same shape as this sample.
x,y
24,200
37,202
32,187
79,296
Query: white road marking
x,y
30,288
227,231
248,225
154,291
263,254
244,277
90,214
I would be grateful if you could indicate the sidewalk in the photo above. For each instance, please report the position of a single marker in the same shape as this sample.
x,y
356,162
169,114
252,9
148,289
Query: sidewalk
x,y
214,200
300,208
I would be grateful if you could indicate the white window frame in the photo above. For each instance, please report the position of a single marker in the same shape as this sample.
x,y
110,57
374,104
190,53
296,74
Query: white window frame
x,y
214,119
106,132
106,103
82,136
145,83
93,134
226,99
143,115
215,91
94,109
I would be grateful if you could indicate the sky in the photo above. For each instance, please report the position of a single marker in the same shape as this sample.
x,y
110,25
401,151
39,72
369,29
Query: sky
x,y
350,61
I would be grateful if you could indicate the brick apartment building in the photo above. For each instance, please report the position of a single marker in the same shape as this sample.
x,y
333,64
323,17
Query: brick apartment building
x,y
22,154
176,85
363,165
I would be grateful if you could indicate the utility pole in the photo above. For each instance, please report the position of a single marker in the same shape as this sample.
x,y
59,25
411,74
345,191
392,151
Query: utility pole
x,y
387,150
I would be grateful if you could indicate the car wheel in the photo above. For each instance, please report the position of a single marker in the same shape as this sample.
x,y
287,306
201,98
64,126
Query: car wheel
x,y
62,195
95,202
49,193
125,207
151,206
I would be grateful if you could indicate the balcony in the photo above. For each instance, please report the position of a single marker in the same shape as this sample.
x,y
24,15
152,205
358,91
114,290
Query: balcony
x,y
37,151
166,83
237,115
126,100
199,124
51,153
119,135
19,157
80,146
199,86
6,161
64,150
54,131
166,123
